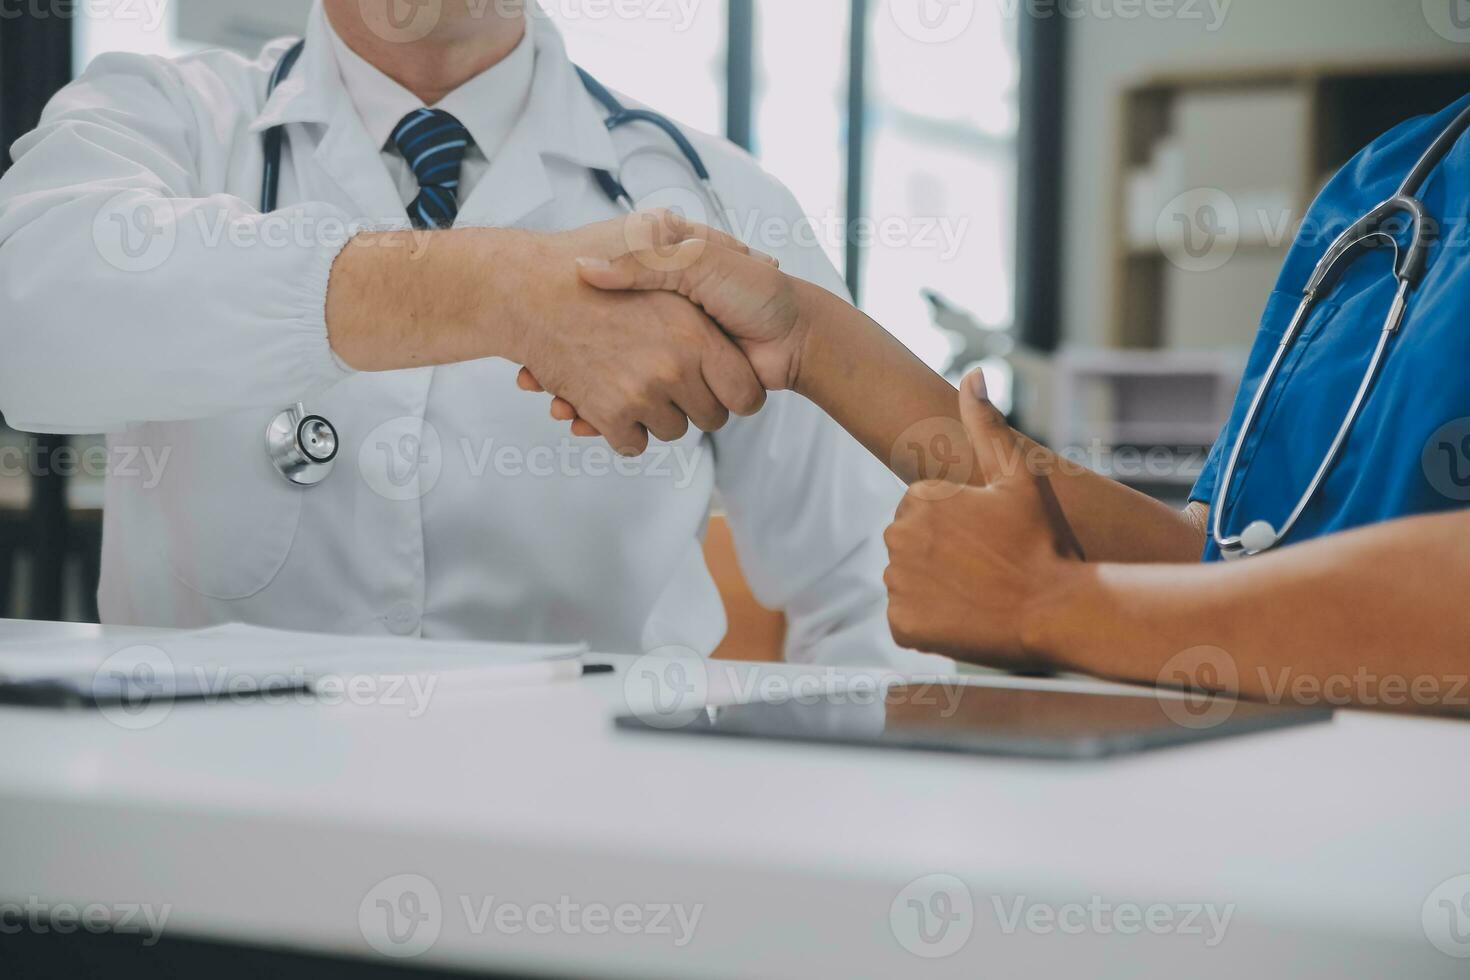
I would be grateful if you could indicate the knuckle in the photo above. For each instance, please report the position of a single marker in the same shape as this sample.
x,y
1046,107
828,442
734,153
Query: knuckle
x,y
928,490
898,626
681,365
751,399
664,377
625,415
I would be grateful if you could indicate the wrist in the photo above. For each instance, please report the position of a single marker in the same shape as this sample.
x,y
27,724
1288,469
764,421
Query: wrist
x,y
504,267
1063,613
809,336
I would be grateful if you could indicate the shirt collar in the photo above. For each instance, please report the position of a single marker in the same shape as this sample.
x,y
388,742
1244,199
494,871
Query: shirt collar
x,y
568,122
310,94
487,105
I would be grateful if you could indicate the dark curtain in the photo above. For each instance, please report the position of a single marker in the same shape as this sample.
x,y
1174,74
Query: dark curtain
x,y
36,61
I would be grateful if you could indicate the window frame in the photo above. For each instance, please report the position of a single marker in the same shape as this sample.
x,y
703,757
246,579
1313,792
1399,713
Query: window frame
x,y
1039,153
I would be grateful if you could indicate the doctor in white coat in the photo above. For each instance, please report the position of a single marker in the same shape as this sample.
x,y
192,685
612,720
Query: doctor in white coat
x,y
145,295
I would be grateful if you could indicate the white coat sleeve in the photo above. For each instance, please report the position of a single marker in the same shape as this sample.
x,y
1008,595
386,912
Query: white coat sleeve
x,y
129,293
807,504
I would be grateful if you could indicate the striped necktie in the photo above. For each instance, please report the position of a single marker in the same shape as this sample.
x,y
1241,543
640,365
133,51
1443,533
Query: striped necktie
x,y
434,144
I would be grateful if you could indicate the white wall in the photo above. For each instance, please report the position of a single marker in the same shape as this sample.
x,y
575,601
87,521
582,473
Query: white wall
x,y
1107,52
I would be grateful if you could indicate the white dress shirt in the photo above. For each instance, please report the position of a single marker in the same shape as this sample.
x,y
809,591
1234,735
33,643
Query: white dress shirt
x,y
488,105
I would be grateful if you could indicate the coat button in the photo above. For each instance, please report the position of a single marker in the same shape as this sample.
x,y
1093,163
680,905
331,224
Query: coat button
x,y
403,619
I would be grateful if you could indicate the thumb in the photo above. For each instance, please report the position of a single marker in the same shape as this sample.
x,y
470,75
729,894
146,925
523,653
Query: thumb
x,y
991,437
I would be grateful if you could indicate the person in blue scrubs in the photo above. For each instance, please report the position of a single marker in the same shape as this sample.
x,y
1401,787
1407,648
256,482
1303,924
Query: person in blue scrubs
x,y
1005,554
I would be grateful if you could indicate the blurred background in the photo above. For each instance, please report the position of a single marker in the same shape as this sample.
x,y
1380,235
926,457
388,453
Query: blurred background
x,y
1091,198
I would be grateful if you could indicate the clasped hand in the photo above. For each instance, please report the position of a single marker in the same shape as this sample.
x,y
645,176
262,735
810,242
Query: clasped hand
x,y
603,330
721,329
968,564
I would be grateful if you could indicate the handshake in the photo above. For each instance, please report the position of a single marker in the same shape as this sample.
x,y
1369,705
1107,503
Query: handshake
x,y
640,326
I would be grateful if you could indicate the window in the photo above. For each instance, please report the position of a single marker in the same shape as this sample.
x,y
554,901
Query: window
x,y
150,29
669,56
941,176
800,106
936,199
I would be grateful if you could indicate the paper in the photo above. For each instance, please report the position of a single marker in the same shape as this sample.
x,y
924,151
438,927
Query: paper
x,y
242,651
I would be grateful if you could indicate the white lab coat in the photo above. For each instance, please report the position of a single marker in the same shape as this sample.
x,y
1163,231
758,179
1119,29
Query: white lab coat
x,y
144,295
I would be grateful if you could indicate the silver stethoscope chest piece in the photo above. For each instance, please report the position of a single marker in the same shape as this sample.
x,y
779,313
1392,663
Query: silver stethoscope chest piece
x,y
302,447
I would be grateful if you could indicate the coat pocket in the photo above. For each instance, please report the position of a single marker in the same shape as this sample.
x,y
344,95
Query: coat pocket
x,y
228,517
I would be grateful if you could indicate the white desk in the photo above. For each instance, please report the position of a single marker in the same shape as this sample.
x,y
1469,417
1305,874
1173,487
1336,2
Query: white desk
x,y
269,825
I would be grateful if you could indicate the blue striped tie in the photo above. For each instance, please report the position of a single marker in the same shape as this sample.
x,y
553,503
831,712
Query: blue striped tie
x,y
434,144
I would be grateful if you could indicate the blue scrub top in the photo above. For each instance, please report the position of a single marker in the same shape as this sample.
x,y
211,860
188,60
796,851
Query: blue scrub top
x,y
1409,452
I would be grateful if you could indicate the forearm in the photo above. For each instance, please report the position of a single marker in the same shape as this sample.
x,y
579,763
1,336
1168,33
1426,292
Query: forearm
x,y
1374,617
908,416
417,299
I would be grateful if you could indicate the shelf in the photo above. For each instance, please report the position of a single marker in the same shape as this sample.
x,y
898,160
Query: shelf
x,y
1346,106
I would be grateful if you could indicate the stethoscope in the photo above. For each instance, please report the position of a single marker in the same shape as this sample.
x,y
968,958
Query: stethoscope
x,y
303,447
1409,266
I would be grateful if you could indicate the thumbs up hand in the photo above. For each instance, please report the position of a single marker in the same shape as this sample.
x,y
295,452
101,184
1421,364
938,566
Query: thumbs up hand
x,y
968,564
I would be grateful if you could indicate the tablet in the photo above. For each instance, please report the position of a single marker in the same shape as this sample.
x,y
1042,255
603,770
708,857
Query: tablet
x,y
946,716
